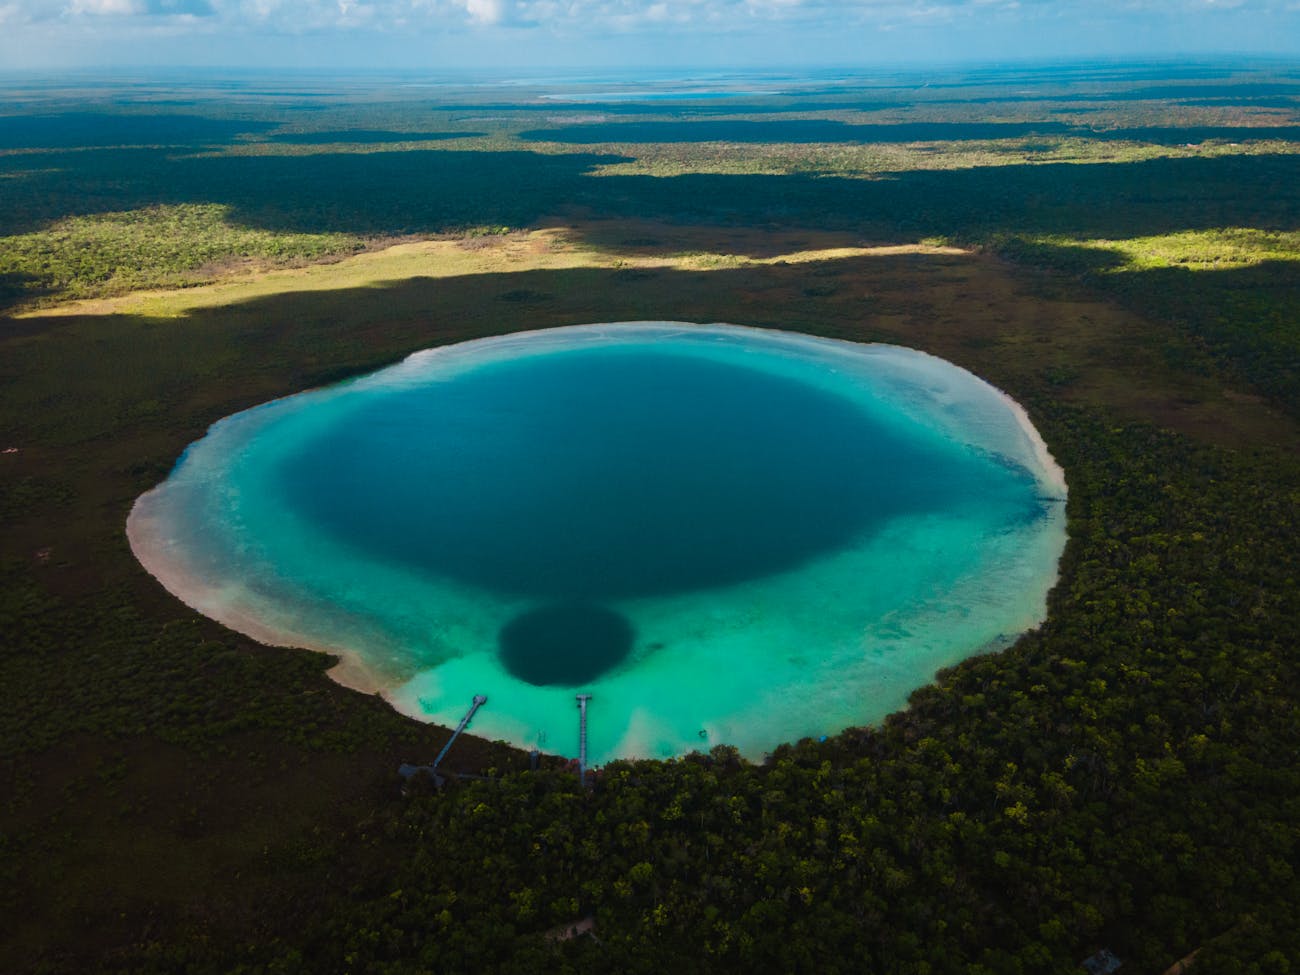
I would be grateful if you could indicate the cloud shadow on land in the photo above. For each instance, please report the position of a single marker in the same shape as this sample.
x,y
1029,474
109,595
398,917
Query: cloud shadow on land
x,y
70,130
382,193
365,137
1247,314
15,287
768,105
1110,200
432,191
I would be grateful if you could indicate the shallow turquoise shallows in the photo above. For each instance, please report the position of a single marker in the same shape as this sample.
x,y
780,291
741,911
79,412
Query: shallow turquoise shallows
x,y
723,534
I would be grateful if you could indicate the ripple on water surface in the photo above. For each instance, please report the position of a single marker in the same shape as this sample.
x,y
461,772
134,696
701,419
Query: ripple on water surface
x,y
724,534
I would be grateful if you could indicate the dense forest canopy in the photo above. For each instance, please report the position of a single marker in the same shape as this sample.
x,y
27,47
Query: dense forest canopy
x,y
1117,247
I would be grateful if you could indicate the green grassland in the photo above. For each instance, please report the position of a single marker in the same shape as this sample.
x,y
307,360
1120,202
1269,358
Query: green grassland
x,y
1121,258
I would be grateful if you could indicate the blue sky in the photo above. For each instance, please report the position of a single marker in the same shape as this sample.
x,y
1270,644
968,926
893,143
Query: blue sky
x,y
524,34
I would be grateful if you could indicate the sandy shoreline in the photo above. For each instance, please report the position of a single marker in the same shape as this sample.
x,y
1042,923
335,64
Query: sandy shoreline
x,y
1055,473
156,554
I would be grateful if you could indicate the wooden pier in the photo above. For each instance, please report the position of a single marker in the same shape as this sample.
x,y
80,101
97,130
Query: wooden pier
x,y
582,737
407,770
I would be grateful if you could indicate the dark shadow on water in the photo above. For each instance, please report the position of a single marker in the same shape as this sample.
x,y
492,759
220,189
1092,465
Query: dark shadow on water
x,y
565,644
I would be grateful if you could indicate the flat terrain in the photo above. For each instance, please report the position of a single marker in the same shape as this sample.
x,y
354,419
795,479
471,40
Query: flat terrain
x,y
961,304
1119,253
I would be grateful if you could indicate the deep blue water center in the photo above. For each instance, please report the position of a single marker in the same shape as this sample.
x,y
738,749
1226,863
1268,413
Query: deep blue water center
x,y
604,474
611,473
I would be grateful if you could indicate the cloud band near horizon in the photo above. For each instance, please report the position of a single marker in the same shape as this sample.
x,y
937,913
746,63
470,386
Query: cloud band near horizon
x,y
989,28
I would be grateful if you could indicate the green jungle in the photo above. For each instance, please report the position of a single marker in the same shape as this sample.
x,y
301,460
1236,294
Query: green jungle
x,y
1116,246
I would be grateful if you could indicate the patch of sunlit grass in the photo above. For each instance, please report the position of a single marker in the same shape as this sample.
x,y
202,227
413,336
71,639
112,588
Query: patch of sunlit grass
x,y
471,255
1204,250
1219,249
162,245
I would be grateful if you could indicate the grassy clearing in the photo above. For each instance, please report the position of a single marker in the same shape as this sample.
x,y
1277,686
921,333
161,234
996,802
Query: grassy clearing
x,y
1207,250
882,160
540,250
163,245
1194,250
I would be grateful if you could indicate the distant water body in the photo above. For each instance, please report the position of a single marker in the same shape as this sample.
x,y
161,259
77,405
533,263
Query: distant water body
x,y
725,535
635,94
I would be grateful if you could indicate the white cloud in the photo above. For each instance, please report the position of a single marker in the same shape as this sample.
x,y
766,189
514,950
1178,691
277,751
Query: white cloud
x,y
595,18
106,8
485,11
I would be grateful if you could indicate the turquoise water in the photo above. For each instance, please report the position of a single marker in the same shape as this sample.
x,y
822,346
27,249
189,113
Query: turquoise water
x,y
725,535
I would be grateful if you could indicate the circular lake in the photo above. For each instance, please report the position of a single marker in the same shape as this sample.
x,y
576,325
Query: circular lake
x,y
723,534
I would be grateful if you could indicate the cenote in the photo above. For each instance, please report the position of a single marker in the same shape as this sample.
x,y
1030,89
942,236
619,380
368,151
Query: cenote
x,y
724,534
